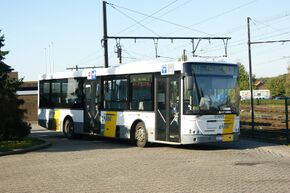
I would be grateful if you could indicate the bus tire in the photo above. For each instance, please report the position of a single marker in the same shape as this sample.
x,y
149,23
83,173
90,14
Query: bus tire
x,y
69,128
140,135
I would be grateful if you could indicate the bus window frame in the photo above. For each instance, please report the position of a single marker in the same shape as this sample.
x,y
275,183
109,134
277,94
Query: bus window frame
x,y
104,80
152,76
50,104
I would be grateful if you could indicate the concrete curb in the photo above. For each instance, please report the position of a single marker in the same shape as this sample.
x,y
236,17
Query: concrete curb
x,y
29,149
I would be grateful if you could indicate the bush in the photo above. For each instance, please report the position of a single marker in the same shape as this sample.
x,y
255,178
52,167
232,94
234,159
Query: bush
x,y
12,125
15,131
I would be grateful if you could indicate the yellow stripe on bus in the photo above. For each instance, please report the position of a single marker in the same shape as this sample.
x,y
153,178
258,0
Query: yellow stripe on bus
x,y
110,124
56,118
228,128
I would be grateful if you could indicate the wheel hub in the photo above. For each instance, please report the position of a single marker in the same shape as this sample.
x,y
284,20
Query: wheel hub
x,y
140,134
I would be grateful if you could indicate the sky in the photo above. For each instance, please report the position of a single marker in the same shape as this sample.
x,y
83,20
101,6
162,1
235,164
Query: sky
x,y
45,36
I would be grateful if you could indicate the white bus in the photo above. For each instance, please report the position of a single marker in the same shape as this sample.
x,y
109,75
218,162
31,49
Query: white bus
x,y
172,103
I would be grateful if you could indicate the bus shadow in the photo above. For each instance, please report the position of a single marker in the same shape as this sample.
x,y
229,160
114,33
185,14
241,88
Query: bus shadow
x,y
59,143
241,144
86,142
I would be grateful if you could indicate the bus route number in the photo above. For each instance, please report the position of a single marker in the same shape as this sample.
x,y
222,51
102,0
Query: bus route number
x,y
106,118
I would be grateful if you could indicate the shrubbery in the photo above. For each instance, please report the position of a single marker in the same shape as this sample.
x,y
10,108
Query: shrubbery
x,y
11,124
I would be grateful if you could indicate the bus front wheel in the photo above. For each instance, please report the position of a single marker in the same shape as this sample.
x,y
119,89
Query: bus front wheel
x,y
69,128
140,135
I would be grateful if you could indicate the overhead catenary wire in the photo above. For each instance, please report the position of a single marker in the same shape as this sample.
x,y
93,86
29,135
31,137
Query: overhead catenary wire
x,y
218,15
160,16
156,38
261,37
242,27
243,41
133,19
273,60
163,20
237,29
264,24
224,13
149,16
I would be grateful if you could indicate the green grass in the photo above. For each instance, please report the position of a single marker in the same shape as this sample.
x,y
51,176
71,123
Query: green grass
x,y
11,145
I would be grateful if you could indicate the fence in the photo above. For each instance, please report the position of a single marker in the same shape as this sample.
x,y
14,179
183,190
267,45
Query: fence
x,y
271,119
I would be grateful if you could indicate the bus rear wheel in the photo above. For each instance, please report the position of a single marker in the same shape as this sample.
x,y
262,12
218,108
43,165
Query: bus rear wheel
x,y
69,128
140,135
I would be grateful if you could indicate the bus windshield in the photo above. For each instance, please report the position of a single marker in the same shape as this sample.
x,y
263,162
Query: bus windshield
x,y
210,89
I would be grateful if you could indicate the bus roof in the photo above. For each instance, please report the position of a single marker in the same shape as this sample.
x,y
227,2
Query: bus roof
x,y
128,68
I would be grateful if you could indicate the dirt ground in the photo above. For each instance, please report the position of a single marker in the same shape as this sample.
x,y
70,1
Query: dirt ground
x,y
267,117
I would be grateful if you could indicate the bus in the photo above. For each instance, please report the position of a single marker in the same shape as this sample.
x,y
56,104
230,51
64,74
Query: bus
x,y
145,102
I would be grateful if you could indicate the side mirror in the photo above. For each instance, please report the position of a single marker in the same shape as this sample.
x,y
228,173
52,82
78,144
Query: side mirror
x,y
188,82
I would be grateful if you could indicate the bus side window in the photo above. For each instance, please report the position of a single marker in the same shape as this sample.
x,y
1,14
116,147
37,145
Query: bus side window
x,y
141,88
44,94
71,92
55,93
107,89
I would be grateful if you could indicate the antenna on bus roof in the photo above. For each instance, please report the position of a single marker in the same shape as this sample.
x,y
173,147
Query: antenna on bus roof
x,y
81,68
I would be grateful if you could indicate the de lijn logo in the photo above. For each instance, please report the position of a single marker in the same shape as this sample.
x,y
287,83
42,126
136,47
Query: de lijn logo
x,y
167,69
92,75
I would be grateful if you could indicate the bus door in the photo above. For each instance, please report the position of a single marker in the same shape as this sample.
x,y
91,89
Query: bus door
x,y
92,106
167,101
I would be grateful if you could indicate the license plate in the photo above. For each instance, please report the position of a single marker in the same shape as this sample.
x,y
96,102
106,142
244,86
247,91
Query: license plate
x,y
225,138
228,138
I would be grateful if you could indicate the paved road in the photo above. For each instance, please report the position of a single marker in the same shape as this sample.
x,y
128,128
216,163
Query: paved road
x,y
100,165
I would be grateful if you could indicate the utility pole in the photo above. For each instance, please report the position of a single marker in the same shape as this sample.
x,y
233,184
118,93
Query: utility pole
x,y
183,55
250,65
119,52
250,74
155,39
105,38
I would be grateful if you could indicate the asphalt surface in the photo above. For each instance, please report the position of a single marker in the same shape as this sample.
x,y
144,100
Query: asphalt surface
x,y
92,164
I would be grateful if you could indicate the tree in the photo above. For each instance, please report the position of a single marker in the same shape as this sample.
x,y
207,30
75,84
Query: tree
x,y
287,83
243,78
276,85
11,125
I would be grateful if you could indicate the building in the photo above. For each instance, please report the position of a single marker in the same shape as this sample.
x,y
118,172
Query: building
x,y
28,92
257,94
